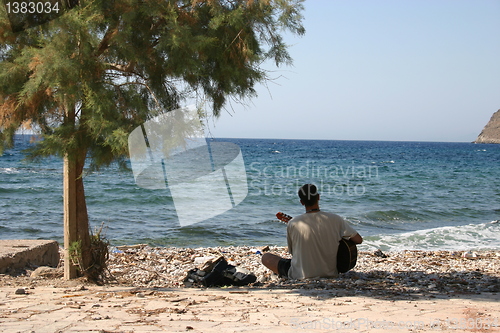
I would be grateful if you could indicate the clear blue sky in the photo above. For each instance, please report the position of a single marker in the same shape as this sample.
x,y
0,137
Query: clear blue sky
x,y
402,70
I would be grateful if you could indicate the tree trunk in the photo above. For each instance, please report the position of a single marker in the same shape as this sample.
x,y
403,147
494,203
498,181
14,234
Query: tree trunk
x,y
76,222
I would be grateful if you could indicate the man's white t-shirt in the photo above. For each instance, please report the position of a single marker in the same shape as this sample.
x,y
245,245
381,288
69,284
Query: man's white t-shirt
x,y
313,240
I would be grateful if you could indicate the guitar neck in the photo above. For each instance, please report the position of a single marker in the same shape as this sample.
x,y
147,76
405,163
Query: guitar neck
x,y
283,217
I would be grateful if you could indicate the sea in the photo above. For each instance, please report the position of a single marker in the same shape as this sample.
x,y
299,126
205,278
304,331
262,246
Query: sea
x,y
397,195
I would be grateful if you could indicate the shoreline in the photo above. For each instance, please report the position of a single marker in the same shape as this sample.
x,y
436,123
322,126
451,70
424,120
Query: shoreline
x,y
427,291
393,274
404,274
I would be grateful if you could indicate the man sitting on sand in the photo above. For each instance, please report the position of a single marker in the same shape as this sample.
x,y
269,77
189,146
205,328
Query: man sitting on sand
x,y
313,240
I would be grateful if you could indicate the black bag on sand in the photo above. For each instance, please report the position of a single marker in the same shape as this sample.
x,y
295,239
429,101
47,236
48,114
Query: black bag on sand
x,y
224,274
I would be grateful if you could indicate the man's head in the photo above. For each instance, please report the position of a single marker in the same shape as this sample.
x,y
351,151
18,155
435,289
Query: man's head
x,y
308,195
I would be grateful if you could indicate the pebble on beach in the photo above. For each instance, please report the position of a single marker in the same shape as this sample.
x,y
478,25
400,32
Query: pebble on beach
x,y
392,274
384,274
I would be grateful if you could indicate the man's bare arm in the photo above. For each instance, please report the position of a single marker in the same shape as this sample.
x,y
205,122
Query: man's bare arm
x,y
356,239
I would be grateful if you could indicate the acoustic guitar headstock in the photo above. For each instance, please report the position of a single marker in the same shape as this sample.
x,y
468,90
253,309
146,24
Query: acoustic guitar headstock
x,y
283,217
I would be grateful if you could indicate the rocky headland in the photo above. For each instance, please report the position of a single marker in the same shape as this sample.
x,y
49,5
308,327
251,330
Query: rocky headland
x,y
491,132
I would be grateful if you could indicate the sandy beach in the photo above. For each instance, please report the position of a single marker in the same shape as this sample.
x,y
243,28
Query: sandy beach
x,y
410,291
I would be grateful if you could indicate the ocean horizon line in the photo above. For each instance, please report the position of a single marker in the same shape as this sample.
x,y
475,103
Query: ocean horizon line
x,y
347,140
311,139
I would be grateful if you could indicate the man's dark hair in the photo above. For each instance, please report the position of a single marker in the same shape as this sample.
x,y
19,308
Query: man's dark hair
x,y
308,194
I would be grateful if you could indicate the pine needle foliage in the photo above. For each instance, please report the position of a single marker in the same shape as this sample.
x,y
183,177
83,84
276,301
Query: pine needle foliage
x,y
120,62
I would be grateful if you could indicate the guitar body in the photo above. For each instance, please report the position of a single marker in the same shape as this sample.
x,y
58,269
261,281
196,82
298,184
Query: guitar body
x,y
347,254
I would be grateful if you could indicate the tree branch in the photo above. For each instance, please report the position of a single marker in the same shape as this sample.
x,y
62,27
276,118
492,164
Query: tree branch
x,y
128,68
104,45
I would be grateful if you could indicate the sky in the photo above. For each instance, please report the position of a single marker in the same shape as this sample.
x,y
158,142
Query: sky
x,y
396,70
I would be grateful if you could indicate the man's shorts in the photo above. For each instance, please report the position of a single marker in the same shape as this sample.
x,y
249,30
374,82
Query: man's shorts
x,y
283,267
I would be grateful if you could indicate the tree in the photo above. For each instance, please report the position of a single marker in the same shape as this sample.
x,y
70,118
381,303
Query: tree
x,y
87,78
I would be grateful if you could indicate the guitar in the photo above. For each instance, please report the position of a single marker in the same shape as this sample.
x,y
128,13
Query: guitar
x,y
347,253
